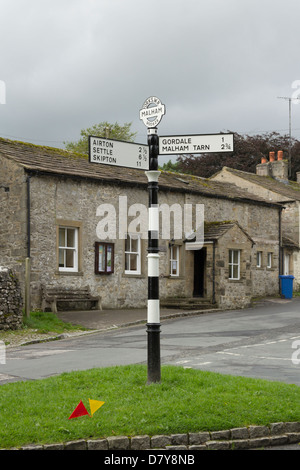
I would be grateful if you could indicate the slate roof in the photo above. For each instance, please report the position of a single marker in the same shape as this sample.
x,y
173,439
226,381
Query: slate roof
x,y
48,160
215,230
291,189
288,243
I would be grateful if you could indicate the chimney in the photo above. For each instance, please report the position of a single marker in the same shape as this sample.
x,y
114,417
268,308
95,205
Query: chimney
x,y
278,169
262,169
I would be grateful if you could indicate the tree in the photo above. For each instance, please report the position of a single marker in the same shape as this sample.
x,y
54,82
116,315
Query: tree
x,y
247,153
170,166
103,129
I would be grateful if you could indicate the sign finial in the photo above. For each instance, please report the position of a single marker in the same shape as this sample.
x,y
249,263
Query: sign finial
x,y
152,111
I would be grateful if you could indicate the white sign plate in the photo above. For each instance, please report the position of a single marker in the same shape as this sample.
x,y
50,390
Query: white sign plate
x,y
180,144
118,153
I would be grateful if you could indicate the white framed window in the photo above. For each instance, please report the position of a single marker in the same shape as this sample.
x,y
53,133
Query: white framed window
x,y
174,260
68,249
259,259
133,254
270,260
234,264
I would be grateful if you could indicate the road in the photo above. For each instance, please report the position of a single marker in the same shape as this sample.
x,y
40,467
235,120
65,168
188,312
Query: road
x,y
261,342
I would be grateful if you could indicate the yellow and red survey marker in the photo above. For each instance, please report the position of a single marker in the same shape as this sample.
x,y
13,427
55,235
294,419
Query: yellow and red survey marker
x,y
81,410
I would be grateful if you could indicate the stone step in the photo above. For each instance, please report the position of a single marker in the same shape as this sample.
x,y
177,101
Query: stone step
x,y
186,303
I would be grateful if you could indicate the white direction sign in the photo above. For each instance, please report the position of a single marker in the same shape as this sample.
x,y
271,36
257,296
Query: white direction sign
x,y
180,144
118,153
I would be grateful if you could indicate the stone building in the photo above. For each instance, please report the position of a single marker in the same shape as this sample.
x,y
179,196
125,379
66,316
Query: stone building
x,y
83,224
271,183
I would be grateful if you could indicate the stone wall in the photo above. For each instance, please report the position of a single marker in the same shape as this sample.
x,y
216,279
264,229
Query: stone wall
x,y
13,215
11,302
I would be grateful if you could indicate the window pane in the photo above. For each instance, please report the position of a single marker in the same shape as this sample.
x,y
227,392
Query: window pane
x,y
258,259
235,270
174,260
133,262
174,267
61,258
71,237
101,258
127,262
269,260
69,259
127,243
134,245
61,237
235,256
109,259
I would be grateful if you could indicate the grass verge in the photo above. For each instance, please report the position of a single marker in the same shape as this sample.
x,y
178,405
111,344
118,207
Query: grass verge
x,y
186,400
38,323
46,322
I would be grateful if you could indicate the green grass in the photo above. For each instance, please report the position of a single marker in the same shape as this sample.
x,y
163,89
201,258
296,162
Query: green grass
x,y
41,323
46,322
186,400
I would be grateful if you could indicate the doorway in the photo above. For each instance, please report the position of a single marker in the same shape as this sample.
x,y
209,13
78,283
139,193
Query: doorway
x,y
199,270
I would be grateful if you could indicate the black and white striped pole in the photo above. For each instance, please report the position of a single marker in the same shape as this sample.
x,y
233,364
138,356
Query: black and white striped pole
x,y
151,114
153,307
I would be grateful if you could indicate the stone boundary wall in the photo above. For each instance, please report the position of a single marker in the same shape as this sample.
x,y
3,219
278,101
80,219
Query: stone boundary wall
x,y
252,437
11,303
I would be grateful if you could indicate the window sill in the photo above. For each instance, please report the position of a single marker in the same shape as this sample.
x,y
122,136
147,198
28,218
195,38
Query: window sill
x,y
104,274
68,273
135,276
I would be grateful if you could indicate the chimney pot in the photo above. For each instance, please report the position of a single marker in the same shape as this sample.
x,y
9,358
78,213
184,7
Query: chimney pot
x,y
263,160
280,155
272,156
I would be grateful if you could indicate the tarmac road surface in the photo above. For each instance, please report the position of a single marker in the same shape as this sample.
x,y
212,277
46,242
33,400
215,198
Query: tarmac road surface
x,y
261,342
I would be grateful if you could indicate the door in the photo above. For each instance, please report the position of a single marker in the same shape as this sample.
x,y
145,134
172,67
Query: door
x,y
199,270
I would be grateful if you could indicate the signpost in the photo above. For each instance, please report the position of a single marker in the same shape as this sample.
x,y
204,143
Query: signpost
x,y
144,157
194,144
151,114
118,153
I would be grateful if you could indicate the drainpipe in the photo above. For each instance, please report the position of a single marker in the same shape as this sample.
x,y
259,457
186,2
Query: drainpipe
x,y
214,272
28,260
280,249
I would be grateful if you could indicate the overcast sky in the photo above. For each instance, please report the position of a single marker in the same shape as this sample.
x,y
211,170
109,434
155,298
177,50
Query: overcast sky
x,y
217,65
